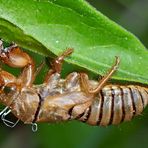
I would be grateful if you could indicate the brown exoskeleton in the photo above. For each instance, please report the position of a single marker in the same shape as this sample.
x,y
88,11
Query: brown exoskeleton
x,y
74,97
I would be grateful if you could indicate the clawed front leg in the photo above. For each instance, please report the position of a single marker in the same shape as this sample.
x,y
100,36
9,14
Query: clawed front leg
x,y
13,56
102,82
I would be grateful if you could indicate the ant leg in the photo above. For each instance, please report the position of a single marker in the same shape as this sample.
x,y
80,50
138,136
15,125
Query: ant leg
x,y
13,56
102,82
56,64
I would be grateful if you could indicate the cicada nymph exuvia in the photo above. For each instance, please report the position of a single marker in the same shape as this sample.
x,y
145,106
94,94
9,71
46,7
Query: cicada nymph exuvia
x,y
73,98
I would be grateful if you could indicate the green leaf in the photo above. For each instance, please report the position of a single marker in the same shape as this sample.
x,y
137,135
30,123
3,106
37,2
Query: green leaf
x,y
50,26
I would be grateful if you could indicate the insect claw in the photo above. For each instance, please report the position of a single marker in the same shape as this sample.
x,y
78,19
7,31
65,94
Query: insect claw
x,y
13,44
34,127
5,121
8,49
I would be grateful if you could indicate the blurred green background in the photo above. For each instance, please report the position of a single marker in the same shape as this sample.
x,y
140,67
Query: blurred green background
x,y
132,15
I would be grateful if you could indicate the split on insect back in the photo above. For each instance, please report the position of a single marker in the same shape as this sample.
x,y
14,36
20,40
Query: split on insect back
x,y
73,98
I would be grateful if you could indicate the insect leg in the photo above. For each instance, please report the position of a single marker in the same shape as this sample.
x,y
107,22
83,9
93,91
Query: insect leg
x,y
38,69
56,64
15,57
85,81
6,78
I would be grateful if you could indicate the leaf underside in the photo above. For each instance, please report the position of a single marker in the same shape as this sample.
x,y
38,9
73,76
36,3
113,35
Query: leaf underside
x,y
51,26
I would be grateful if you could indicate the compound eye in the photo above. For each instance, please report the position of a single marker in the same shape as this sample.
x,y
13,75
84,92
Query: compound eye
x,y
8,89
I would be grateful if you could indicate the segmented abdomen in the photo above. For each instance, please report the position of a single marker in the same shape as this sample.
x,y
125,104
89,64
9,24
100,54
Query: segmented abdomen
x,y
115,104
